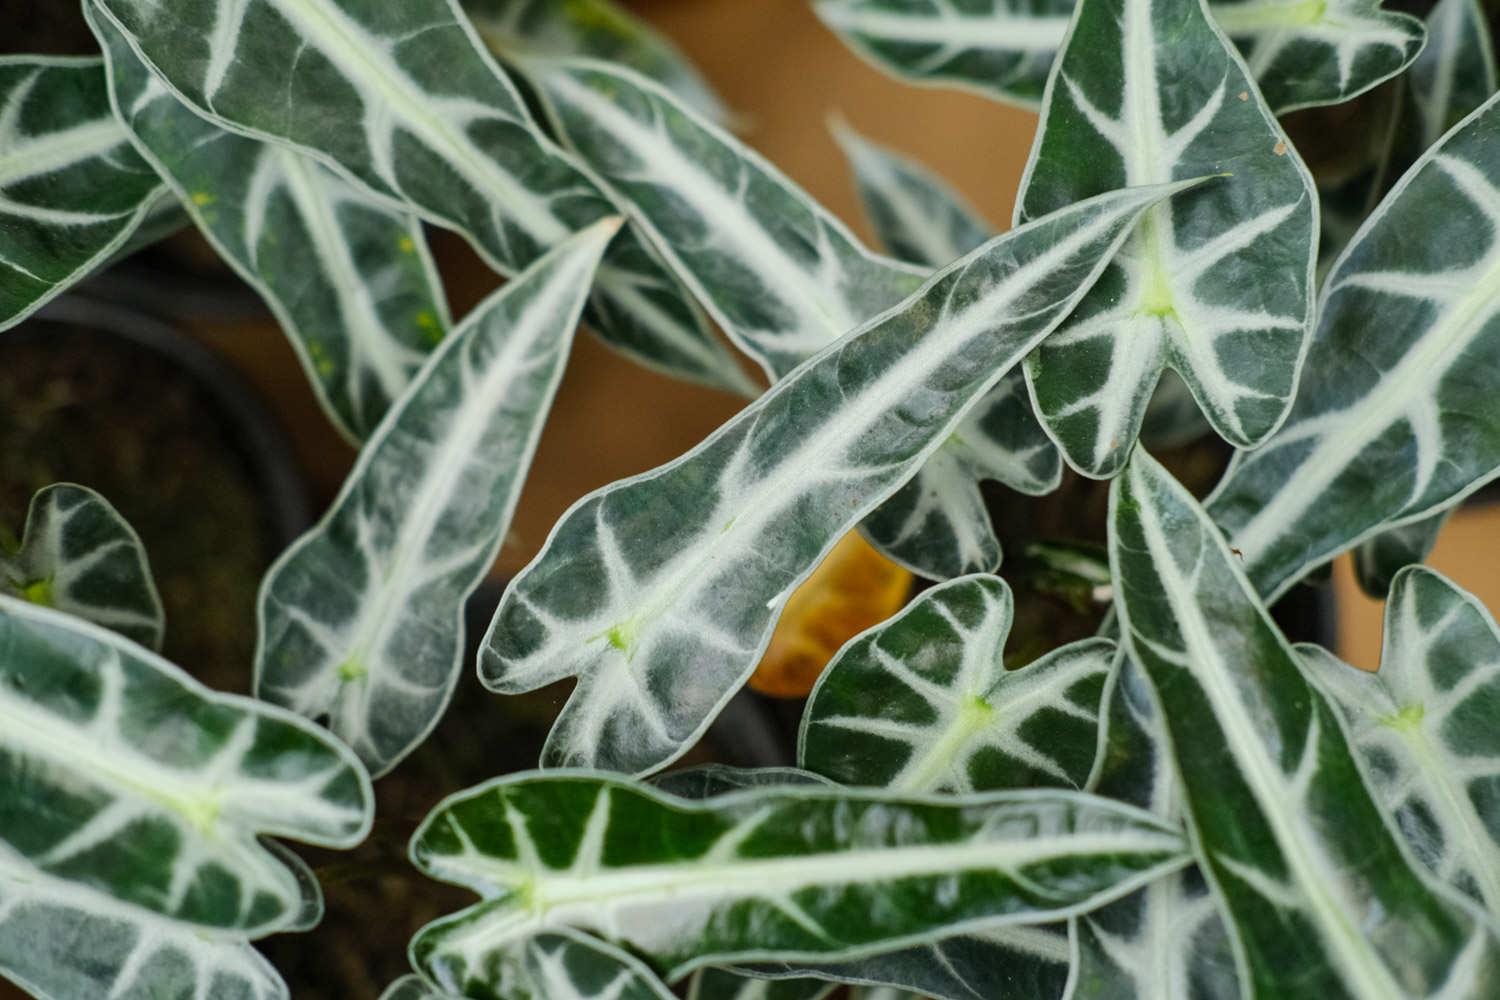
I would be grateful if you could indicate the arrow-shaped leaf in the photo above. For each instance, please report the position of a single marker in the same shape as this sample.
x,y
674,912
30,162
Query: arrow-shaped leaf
x,y
1216,285
660,592
924,703
775,873
1302,52
350,281
362,619
1425,726
72,190
1320,893
1391,429
78,555
404,99
127,778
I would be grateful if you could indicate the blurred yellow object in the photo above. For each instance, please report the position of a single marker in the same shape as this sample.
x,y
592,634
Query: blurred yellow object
x,y
851,590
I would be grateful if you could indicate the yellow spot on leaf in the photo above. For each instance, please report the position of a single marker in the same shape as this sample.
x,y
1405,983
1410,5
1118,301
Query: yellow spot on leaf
x,y
851,590
407,245
201,198
352,670
1408,720
39,592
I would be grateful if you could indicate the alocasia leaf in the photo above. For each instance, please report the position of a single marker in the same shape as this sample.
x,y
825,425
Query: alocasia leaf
x,y
1394,428
404,98
559,964
660,592
593,29
1302,52
764,874
350,280
124,777
938,524
78,555
72,190
1320,894
924,703
1425,727
361,620
1216,285
1164,941
413,988
723,984
1379,558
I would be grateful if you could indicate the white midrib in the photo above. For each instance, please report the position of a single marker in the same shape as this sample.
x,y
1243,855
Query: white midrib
x,y
1382,406
1000,30
348,44
365,332
1350,948
1461,815
46,154
968,721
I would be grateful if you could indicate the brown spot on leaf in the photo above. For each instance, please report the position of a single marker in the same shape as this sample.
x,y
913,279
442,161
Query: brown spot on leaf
x,y
1244,95
1280,148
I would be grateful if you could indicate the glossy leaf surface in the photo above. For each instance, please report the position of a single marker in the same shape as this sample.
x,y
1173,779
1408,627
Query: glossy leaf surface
x,y
660,592
361,620
924,703
763,874
1216,285
78,555
1395,428
72,190
1424,725
1320,894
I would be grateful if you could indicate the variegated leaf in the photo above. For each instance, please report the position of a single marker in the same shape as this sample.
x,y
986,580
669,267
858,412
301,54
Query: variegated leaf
x,y
1425,726
61,941
78,555
361,620
404,99
1166,940
560,964
1319,892
924,702
1216,285
937,524
724,984
1379,558
765,874
72,190
1302,52
660,592
350,281
591,29
123,776
413,988
1394,428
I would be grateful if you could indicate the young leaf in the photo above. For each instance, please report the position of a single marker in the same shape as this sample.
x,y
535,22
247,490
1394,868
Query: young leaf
x,y
127,778
421,114
78,555
773,873
1379,558
592,29
937,524
1302,52
362,619
1320,894
350,281
660,592
1425,726
924,703
72,191
61,941
1216,285
1164,941
1389,429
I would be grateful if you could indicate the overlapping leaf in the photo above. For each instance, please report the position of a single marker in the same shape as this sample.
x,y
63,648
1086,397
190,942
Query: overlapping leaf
x,y
78,555
924,703
592,29
1378,559
124,777
403,98
1425,727
775,873
72,190
1394,428
558,964
349,279
938,524
413,988
1302,52
362,619
1320,894
660,592
723,984
1216,285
